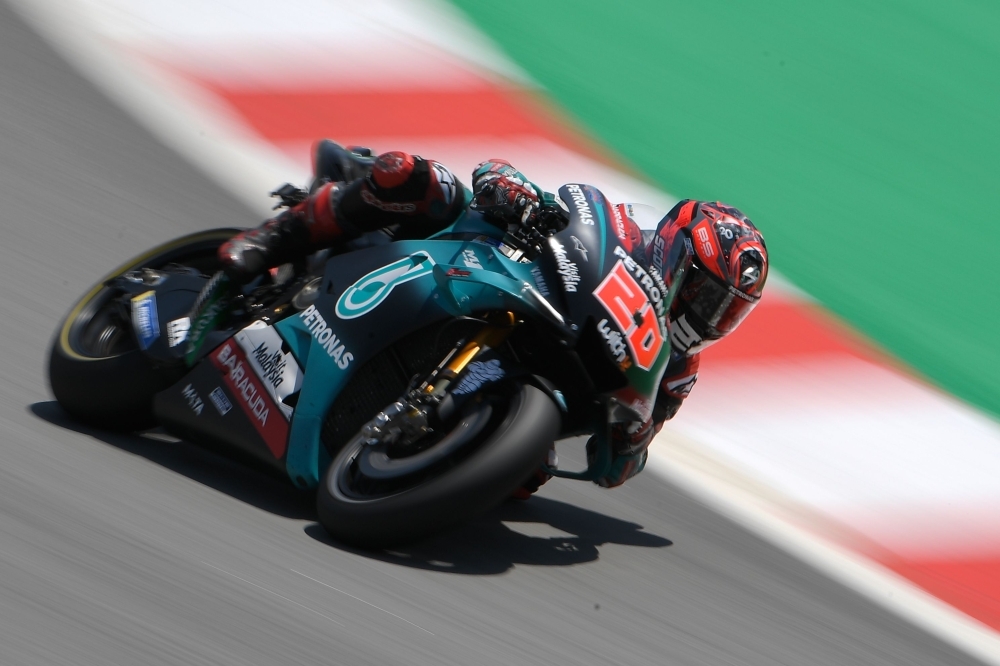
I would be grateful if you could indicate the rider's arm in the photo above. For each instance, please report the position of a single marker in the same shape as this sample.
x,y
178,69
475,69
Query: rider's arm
x,y
422,196
630,441
678,380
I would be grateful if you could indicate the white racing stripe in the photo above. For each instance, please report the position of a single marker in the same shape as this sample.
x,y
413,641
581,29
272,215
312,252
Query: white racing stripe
x,y
864,434
911,469
713,482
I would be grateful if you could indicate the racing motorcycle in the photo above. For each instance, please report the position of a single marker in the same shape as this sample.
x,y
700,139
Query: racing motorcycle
x,y
412,383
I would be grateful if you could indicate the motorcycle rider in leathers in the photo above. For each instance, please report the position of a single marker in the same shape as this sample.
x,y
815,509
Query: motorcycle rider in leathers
x,y
722,252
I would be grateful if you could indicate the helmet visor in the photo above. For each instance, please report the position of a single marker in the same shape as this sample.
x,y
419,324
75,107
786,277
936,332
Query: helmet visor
x,y
720,306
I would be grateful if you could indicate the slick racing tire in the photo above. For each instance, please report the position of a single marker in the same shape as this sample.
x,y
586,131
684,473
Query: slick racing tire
x,y
96,370
489,452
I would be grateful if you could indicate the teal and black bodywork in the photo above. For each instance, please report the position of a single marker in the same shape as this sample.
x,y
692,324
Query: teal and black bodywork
x,y
303,364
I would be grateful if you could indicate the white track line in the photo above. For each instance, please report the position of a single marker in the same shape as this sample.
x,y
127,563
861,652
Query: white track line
x,y
687,465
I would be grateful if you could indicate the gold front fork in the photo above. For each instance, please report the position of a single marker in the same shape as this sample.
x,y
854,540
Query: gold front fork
x,y
493,335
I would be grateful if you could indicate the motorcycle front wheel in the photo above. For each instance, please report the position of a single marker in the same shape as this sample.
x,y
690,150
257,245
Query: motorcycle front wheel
x,y
372,499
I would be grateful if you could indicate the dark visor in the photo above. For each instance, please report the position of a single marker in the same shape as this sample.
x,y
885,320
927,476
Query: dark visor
x,y
720,306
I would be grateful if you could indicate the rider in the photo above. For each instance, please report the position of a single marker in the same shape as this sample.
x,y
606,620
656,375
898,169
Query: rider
x,y
714,248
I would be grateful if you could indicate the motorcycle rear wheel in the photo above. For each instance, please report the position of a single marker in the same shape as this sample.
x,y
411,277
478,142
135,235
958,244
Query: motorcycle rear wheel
x,y
96,371
361,510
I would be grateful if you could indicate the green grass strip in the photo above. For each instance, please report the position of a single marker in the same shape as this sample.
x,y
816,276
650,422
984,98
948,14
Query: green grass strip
x,y
862,137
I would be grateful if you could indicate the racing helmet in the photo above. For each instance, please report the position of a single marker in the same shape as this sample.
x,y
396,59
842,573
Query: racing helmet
x,y
714,261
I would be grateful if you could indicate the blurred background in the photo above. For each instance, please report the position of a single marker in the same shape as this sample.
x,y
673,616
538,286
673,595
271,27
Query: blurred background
x,y
859,400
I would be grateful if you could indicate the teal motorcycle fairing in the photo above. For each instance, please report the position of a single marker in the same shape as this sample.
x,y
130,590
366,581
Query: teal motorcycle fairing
x,y
582,287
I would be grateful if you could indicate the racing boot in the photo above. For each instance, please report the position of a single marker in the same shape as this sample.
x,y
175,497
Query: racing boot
x,y
309,224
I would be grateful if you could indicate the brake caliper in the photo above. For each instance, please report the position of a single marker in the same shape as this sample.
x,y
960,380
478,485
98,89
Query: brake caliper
x,y
401,423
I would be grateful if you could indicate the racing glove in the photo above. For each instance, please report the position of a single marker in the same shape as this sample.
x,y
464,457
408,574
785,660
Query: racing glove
x,y
629,449
501,192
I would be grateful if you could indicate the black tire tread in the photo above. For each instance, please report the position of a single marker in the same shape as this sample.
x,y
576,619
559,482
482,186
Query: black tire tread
x,y
483,480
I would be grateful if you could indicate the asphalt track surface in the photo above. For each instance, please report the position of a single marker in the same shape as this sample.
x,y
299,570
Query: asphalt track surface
x,y
121,549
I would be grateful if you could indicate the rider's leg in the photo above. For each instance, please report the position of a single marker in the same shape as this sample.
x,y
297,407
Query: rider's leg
x,y
302,229
420,196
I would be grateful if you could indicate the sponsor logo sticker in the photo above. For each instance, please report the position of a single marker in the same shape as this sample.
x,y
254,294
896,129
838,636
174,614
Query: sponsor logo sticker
x,y
581,204
390,207
144,319
251,396
368,293
682,336
277,369
683,385
177,331
219,399
193,399
650,281
659,249
619,222
536,275
319,329
704,240
632,313
580,247
567,269
615,342
470,259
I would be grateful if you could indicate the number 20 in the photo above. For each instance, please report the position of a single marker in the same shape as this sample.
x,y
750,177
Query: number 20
x,y
622,297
